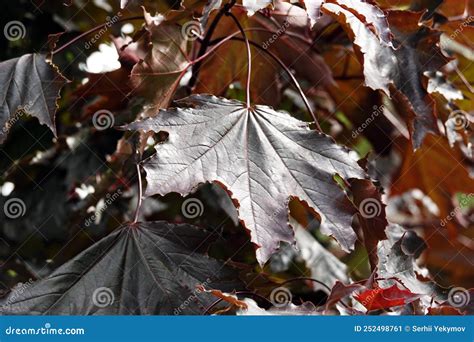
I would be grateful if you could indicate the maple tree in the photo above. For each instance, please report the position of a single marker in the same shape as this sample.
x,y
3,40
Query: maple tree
x,y
238,157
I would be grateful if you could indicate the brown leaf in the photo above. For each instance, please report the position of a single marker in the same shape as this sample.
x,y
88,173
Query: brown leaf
x,y
157,75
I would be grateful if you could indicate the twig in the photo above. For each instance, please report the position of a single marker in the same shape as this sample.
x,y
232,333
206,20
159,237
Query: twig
x,y
92,30
310,279
206,40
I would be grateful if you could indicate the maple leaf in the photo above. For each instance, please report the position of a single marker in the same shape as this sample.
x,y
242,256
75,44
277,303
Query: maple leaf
x,y
30,85
383,298
365,103
145,268
157,76
261,156
398,72
397,257
373,16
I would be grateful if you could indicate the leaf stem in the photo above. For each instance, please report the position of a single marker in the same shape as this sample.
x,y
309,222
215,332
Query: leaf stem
x,y
287,70
249,54
206,40
140,194
92,30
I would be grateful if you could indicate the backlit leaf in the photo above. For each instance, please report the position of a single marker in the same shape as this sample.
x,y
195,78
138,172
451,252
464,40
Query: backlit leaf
x,y
261,156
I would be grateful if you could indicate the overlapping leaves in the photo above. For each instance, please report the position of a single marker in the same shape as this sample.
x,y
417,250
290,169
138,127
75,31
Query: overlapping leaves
x,y
261,156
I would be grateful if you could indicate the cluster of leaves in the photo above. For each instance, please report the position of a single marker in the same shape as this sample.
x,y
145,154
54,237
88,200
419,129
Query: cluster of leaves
x,y
308,157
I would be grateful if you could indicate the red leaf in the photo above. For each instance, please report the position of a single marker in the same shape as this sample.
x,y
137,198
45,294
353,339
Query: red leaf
x,y
380,298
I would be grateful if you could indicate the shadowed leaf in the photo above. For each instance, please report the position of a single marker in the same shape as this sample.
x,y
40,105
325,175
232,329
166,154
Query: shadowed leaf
x,y
147,268
31,85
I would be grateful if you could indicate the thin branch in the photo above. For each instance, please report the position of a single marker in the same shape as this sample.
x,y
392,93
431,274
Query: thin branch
x,y
206,40
215,46
249,54
92,30
288,71
140,194
318,282
310,279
